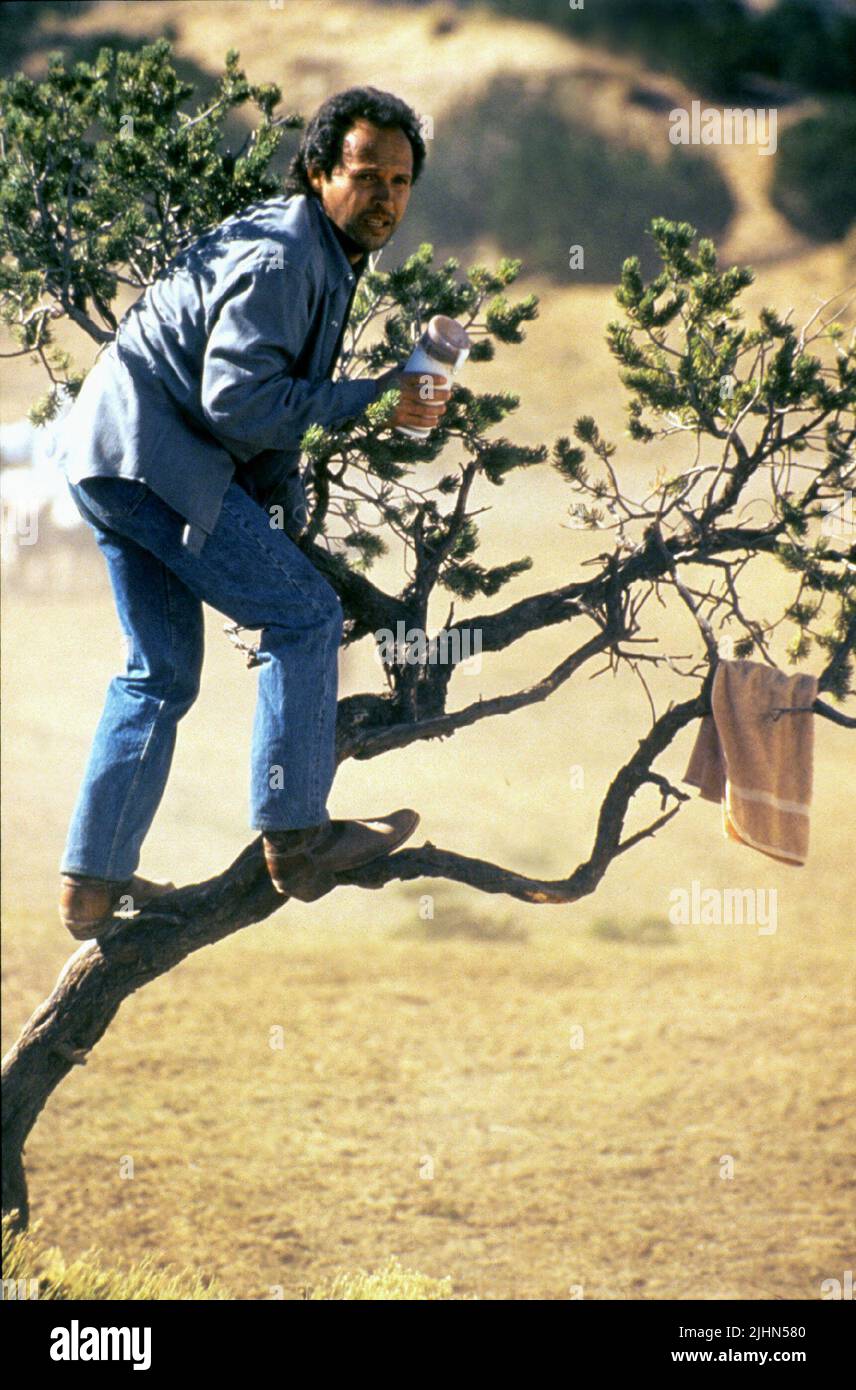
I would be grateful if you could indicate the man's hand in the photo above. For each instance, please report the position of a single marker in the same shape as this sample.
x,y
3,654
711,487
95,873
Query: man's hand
x,y
424,397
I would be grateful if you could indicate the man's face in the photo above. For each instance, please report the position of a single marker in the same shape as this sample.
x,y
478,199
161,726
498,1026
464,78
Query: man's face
x,y
373,181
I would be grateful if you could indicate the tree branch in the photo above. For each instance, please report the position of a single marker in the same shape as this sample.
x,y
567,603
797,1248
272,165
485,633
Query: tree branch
x,y
99,976
399,735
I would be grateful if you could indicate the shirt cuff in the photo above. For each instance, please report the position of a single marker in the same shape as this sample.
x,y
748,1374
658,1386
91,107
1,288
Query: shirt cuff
x,y
356,395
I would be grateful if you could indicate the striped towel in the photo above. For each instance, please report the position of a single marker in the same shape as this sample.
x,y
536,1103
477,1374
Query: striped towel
x,y
758,766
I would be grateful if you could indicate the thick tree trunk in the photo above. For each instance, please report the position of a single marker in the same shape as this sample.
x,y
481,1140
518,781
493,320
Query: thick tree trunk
x,y
99,976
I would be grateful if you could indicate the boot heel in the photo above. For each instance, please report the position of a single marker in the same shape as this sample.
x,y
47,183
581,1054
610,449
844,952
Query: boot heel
x,y
313,886
89,931
294,871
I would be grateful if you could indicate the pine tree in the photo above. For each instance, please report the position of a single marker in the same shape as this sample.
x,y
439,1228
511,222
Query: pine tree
x,y
106,178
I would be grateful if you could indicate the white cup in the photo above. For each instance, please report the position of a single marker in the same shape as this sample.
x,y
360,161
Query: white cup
x,y
443,349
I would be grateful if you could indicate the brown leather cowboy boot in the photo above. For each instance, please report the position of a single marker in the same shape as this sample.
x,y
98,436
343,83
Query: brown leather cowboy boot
x,y
86,904
303,863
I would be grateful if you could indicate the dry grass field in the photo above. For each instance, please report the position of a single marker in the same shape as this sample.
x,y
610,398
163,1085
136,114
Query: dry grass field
x,y
431,1098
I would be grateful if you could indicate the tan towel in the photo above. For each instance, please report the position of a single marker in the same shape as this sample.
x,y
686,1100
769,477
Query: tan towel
x,y
758,767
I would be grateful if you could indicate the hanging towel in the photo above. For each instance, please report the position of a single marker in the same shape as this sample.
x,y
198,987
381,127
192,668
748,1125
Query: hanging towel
x,y
758,766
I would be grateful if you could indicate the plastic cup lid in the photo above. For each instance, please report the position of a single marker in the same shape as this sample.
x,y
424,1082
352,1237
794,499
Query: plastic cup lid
x,y
448,333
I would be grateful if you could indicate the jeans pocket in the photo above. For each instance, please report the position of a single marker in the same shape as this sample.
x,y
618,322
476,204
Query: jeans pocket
x,y
112,497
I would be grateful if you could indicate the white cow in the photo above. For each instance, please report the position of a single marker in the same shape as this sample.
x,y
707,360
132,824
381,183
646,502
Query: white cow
x,y
44,543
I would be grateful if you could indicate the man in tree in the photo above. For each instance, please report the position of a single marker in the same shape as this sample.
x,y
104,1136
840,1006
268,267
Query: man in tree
x,y
188,424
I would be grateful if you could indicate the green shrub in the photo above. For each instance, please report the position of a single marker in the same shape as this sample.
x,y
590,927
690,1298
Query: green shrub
x,y
813,183
555,182
807,43
717,46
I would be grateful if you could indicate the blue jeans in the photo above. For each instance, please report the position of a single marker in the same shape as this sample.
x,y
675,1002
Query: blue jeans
x,y
257,576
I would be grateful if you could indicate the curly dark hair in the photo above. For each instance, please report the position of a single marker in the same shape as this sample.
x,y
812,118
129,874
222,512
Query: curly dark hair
x,y
321,145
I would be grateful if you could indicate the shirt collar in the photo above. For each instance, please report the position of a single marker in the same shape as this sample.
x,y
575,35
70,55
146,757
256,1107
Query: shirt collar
x,y
339,268
346,243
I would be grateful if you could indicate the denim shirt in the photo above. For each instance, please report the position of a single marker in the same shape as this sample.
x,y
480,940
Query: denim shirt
x,y
222,364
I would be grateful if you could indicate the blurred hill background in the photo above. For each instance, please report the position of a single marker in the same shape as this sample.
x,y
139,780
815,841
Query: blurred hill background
x,y
408,1037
